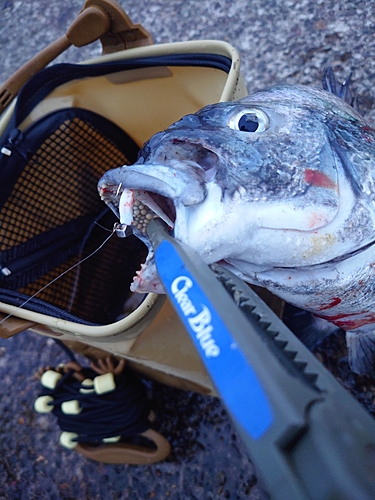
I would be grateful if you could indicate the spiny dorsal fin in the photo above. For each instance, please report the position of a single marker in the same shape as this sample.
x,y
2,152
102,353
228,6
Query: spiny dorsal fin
x,y
342,90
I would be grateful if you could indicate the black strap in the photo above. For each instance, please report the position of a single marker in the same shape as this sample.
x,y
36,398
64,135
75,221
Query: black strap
x,y
25,263
48,79
18,299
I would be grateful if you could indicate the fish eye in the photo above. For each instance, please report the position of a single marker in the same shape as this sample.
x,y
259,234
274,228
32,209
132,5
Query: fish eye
x,y
249,120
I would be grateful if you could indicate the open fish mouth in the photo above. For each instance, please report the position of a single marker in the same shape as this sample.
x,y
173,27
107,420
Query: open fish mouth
x,y
141,192
135,209
137,194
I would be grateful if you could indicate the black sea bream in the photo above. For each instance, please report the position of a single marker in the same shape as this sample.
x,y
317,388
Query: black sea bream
x,y
279,187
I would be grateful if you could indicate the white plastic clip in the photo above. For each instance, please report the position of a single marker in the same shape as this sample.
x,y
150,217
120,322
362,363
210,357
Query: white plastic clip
x,y
5,271
5,151
41,404
71,407
50,379
68,439
113,439
104,383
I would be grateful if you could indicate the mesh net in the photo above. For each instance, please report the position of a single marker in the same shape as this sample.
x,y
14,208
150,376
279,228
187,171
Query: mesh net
x,y
58,185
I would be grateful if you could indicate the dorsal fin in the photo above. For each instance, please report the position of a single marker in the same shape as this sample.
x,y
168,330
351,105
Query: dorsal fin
x,y
342,90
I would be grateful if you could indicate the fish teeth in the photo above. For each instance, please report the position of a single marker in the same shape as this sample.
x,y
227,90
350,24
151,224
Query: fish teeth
x,y
137,208
126,207
146,199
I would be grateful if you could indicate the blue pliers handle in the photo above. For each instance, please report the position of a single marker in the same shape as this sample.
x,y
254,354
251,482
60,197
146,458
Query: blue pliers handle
x,y
307,436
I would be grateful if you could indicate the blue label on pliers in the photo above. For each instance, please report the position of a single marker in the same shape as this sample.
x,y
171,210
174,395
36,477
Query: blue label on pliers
x,y
235,380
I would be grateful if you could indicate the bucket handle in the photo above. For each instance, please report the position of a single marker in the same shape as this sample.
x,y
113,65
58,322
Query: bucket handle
x,y
126,453
12,325
99,19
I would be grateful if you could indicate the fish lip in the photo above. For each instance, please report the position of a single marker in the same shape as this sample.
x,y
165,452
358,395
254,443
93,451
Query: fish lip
x,y
181,181
194,154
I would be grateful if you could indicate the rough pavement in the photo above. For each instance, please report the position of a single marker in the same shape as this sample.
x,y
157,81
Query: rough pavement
x,y
279,40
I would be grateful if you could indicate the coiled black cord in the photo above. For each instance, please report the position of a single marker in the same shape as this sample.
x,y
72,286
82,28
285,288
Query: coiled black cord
x,y
121,412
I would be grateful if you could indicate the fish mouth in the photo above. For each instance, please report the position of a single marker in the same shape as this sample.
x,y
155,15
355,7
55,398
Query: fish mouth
x,y
135,208
156,189
138,207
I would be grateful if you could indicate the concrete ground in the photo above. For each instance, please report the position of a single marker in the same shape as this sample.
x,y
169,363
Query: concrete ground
x,y
279,40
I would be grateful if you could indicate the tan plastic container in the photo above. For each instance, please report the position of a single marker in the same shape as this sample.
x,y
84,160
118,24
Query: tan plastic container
x,y
141,102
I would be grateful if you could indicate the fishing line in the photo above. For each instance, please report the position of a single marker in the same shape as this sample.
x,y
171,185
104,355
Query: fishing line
x,y
84,241
60,276
102,227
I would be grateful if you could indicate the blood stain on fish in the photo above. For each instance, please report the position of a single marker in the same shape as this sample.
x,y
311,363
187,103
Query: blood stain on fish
x,y
318,179
343,321
334,302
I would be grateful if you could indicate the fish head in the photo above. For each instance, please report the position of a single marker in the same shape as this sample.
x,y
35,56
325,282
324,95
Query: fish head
x,y
260,183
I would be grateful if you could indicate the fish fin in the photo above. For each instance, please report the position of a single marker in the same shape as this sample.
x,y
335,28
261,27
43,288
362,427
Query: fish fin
x,y
342,90
308,328
361,351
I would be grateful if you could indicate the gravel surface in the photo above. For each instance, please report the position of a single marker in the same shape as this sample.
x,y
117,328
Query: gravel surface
x,y
279,40
207,459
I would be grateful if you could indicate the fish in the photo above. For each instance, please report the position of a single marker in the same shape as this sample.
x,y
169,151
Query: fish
x,y
279,188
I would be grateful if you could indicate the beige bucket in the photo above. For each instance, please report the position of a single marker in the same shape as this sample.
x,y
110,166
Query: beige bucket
x,y
141,102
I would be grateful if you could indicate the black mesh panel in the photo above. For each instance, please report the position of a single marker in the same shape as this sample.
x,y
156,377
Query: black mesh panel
x,y
58,185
